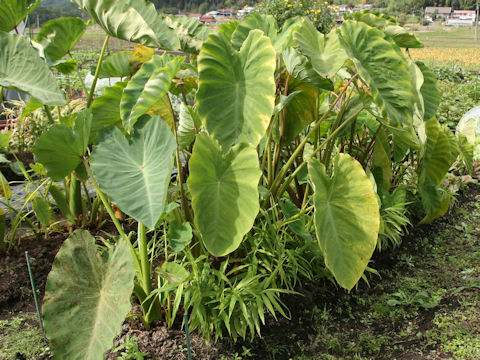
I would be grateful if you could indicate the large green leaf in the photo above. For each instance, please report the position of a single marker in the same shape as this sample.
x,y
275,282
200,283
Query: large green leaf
x,y
301,110
191,32
236,89
147,87
116,65
135,172
89,293
437,157
59,36
21,68
402,37
224,193
383,67
106,108
12,12
131,20
430,92
59,150
266,23
301,68
325,52
188,126
347,217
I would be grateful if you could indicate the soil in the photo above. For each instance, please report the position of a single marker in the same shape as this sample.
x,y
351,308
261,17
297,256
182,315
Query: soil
x,y
282,338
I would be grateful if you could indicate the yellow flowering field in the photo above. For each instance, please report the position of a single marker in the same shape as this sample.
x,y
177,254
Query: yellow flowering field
x,y
465,57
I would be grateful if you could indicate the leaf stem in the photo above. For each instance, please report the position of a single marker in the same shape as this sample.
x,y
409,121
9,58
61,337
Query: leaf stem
x,y
97,71
144,261
281,175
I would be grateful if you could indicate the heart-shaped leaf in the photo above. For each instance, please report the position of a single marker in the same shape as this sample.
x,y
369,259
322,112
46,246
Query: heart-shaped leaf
x,y
347,217
59,36
115,65
325,52
21,68
224,192
383,68
131,20
135,172
106,108
236,89
60,149
88,292
12,12
179,235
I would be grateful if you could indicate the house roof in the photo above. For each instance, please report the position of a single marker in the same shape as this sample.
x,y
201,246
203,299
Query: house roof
x,y
440,9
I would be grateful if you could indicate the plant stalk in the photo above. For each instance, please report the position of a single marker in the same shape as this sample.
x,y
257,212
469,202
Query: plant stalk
x,y
281,175
144,260
97,72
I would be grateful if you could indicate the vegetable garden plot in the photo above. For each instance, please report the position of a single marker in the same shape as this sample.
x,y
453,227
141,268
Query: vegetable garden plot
x,y
296,165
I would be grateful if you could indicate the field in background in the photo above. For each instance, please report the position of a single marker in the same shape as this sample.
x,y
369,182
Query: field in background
x,y
448,45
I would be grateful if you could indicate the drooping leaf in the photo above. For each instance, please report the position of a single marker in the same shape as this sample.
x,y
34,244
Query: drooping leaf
x,y
135,172
21,68
12,12
402,37
106,108
437,157
66,66
61,202
439,212
372,18
265,23
236,89
59,36
224,192
382,166
59,150
466,151
131,20
147,87
384,69
116,65
88,292
325,52
189,125
347,217
430,92
43,211
82,128
179,235
301,68
301,110
430,196
140,55
191,32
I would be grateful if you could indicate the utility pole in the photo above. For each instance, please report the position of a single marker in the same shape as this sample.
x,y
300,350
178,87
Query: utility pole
x,y
476,22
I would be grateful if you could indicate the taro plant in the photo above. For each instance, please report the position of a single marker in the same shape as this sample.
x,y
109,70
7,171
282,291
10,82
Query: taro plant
x,y
318,132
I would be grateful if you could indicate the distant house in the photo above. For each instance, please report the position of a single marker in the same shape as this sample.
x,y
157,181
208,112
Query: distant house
x,y
205,19
440,12
225,13
195,16
245,11
464,14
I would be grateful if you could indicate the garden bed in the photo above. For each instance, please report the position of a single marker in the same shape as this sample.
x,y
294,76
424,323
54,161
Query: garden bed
x,y
389,318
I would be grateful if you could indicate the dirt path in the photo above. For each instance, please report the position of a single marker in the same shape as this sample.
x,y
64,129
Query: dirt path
x,y
424,305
